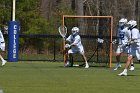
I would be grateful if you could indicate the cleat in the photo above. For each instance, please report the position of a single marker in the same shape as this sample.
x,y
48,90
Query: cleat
x,y
122,74
117,66
87,66
67,64
116,69
4,62
132,68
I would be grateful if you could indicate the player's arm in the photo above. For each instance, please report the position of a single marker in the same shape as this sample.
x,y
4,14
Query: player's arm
x,y
77,40
68,41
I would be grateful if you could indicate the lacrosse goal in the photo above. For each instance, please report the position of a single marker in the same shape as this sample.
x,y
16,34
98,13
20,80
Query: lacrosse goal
x,y
96,35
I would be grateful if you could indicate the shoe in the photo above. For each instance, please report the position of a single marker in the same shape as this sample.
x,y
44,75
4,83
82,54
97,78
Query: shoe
x,y
4,62
87,66
122,74
67,64
117,66
132,68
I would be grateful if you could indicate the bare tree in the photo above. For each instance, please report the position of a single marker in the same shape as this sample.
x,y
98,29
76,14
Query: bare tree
x,y
80,11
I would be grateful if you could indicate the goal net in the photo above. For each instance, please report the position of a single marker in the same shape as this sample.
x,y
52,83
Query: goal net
x,y
96,35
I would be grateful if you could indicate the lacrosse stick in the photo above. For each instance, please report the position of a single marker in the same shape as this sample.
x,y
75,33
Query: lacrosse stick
x,y
63,31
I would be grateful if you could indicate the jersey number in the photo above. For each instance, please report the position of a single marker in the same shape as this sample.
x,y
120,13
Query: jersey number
x,y
122,36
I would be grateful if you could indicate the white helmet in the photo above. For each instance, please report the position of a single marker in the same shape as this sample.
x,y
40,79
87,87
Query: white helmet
x,y
122,21
132,23
75,30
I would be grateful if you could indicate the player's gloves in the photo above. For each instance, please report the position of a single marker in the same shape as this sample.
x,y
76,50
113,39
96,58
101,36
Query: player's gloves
x,y
99,40
67,46
129,43
114,41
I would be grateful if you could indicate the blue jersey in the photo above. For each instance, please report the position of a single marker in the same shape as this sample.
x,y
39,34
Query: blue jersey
x,y
123,35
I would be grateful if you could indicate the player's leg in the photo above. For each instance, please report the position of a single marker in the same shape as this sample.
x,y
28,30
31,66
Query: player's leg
x,y
69,58
128,62
118,64
3,61
118,55
2,48
132,68
138,58
132,53
84,57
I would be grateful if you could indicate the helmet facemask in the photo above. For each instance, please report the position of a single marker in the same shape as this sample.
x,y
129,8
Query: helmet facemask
x,y
131,24
122,23
74,32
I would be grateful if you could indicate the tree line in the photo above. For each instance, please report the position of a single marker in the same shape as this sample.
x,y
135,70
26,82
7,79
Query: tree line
x,y
37,16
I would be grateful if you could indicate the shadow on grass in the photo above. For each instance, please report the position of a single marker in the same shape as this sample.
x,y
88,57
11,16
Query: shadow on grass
x,y
132,75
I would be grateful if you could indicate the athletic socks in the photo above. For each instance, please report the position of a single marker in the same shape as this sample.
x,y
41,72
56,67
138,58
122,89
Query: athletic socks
x,y
132,64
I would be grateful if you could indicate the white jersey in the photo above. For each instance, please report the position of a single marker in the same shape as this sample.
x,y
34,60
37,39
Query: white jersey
x,y
2,42
135,47
135,36
1,37
123,35
76,40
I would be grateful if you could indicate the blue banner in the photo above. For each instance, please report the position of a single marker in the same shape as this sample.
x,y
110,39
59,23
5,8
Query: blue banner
x,y
13,41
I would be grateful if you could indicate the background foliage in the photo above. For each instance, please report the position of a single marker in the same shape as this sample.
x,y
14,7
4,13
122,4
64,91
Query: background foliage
x,y
45,16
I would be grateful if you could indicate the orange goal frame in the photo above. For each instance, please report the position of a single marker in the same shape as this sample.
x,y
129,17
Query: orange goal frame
x,y
111,31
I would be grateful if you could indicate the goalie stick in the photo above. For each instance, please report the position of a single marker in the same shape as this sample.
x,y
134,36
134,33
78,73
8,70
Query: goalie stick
x,y
63,32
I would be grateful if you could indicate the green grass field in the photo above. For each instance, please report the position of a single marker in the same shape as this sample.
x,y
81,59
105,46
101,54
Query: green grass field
x,y
52,77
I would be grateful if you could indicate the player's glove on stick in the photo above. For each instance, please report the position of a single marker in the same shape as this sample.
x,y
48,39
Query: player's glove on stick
x,y
67,46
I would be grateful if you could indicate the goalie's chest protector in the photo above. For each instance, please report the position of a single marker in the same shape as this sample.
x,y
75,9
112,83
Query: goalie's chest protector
x,y
72,38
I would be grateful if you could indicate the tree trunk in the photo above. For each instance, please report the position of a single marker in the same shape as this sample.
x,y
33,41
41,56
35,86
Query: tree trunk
x,y
80,11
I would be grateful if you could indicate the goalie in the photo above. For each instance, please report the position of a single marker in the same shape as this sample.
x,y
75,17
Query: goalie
x,y
75,46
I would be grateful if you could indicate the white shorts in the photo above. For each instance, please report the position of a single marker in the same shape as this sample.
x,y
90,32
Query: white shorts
x,y
121,49
134,51
76,50
2,46
138,54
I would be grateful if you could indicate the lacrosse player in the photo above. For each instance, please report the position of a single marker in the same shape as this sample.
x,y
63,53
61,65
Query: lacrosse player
x,y
2,47
75,46
122,35
134,42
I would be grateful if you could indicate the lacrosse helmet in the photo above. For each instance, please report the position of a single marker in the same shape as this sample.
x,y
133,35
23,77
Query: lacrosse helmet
x,y
75,30
122,22
131,24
